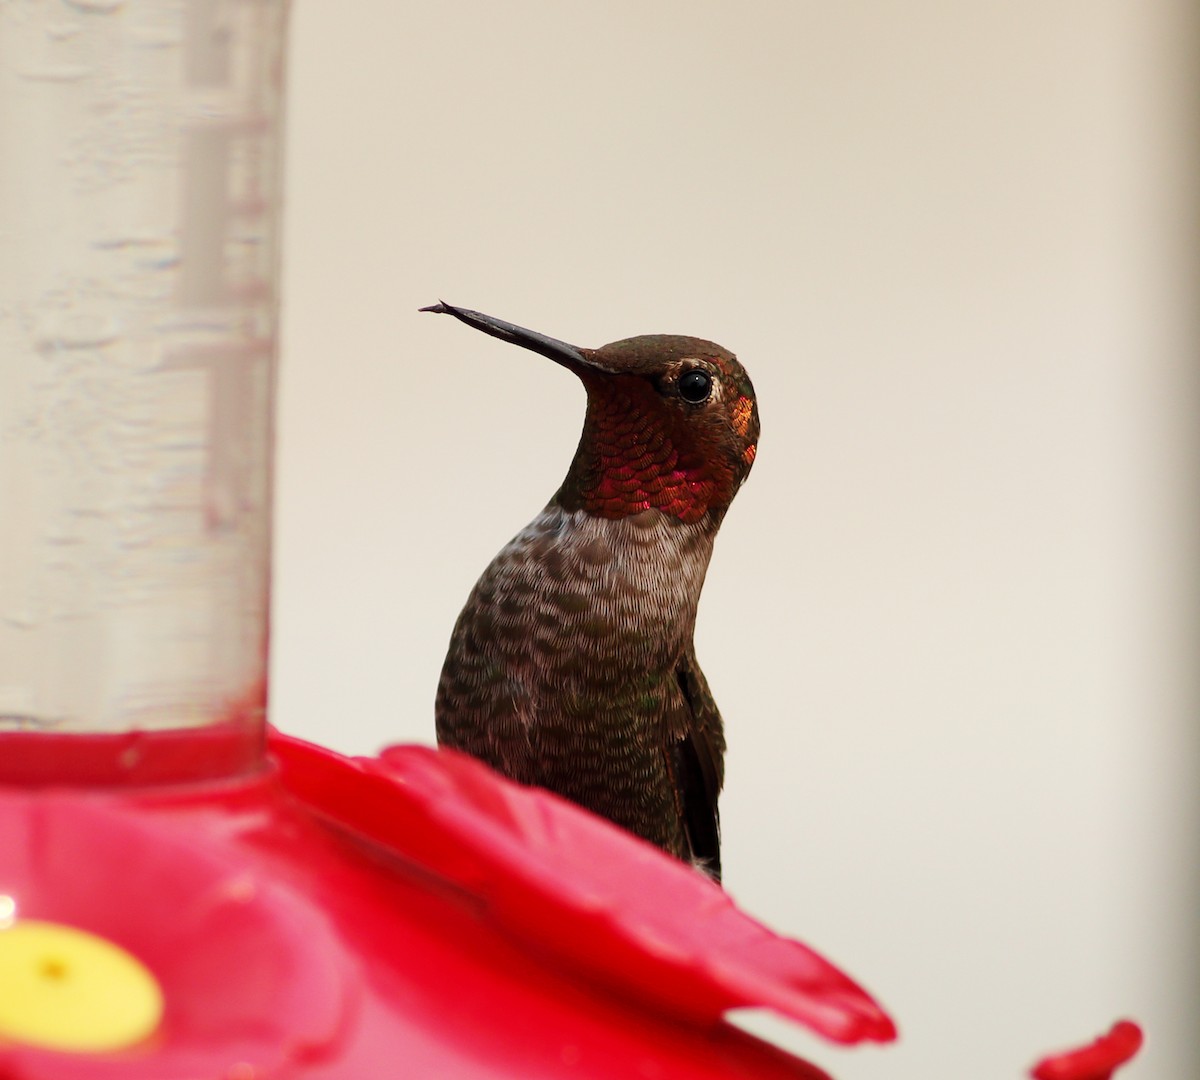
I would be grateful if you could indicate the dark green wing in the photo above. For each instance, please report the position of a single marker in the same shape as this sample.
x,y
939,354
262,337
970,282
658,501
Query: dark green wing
x,y
697,758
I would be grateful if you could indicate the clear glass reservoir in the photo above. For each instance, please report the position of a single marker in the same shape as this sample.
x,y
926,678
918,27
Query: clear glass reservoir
x,y
139,233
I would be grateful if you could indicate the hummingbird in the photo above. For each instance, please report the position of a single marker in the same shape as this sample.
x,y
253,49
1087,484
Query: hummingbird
x,y
572,666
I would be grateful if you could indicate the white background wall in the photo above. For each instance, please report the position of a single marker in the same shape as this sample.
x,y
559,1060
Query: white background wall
x,y
949,619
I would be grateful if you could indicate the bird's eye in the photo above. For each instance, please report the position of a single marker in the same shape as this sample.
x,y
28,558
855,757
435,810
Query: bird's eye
x,y
695,386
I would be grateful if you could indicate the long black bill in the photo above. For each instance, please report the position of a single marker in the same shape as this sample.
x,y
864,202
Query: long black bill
x,y
558,351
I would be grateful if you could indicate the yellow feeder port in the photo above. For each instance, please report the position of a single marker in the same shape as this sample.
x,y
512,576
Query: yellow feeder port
x,y
65,989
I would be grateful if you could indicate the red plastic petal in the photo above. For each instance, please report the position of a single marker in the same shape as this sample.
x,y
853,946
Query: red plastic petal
x,y
250,970
1097,1061
569,882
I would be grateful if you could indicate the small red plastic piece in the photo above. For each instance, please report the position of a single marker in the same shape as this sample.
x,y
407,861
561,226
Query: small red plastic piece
x,y
1096,1061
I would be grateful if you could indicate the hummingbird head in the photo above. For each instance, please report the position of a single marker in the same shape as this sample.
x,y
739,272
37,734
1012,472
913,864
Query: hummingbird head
x,y
671,425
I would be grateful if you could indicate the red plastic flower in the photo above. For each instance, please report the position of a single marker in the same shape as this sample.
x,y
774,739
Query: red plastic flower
x,y
1097,1061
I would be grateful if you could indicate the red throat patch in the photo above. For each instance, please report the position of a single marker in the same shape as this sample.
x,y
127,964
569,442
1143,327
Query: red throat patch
x,y
634,457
